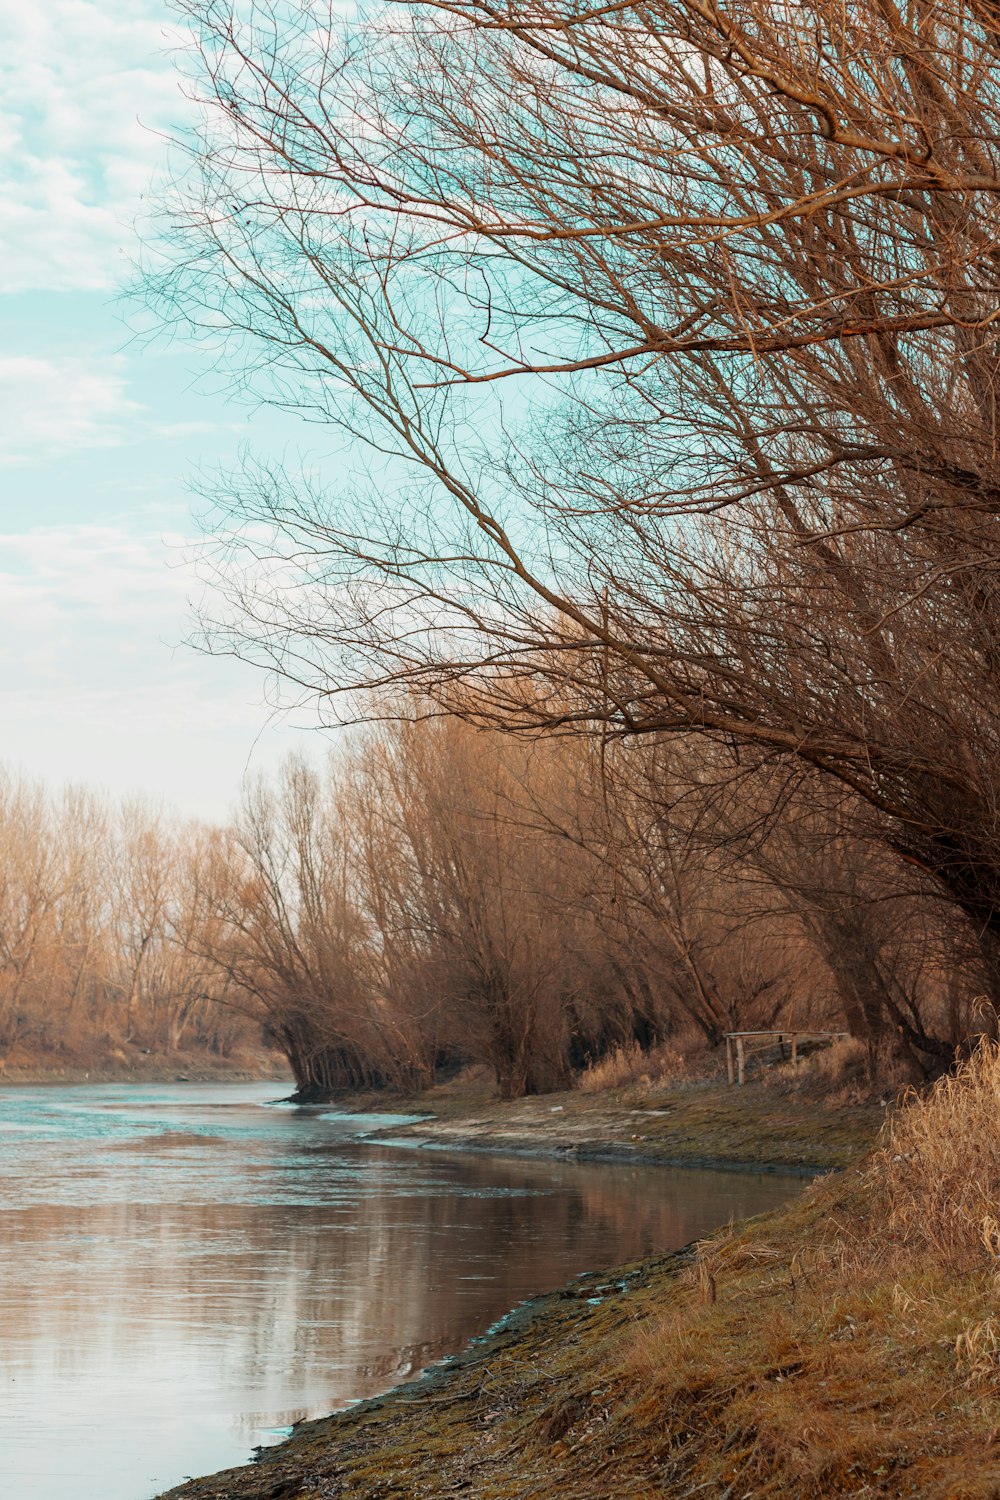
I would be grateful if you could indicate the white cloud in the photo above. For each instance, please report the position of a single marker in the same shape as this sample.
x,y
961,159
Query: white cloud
x,y
98,684
84,85
64,403
52,573
51,406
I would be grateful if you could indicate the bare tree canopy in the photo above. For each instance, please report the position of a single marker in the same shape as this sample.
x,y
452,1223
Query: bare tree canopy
x,y
671,332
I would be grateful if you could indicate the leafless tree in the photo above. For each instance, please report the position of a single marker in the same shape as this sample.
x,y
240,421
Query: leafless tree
x,y
281,923
488,907
672,327
97,944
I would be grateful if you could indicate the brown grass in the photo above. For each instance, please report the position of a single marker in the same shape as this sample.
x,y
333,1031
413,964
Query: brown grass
x,y
843,1062
938,1176
802,1357
846,1072
630,1066
851,1344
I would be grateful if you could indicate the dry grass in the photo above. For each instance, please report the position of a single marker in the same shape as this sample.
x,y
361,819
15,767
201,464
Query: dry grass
x,y
631,1066
801,1357
846,1072
474,1079
851,1344
938,1175
843,1062
841,1070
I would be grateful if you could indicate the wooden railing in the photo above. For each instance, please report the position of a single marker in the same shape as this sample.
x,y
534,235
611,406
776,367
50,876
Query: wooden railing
x,y
736,1046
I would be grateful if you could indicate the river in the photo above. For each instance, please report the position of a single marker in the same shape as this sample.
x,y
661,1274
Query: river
x,y
186,1270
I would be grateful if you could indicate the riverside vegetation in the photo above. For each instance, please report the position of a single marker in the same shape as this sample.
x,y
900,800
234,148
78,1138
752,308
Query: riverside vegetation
x,y
440,897
655,352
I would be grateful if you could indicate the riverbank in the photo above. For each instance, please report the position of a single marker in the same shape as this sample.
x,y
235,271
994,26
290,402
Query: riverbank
x,y
731,1369
132,1065
800,1355
758,1128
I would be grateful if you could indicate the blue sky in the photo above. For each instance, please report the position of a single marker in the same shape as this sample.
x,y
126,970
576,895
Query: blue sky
x,y
101,436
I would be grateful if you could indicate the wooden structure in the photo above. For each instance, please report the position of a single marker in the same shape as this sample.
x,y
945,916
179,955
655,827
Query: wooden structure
x,y
736,1046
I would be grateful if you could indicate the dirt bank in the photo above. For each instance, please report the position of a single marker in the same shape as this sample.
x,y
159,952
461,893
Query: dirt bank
x,y
134,1066
756,1128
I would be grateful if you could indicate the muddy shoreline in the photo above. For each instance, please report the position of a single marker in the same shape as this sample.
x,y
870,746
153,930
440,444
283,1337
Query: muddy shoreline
x,y
542,1151
706,1126
363,1451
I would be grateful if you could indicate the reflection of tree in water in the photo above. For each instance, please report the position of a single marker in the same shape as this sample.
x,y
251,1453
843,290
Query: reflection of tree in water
x,y
291,1308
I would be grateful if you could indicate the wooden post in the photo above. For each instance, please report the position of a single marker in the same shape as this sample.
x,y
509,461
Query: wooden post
x,y
795,1050
729,1060
740,1059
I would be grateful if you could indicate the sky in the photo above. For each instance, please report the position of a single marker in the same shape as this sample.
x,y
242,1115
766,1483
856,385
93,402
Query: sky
x,y
102,436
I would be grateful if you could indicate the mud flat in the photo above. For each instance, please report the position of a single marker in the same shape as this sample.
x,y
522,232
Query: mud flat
x,y
757,1128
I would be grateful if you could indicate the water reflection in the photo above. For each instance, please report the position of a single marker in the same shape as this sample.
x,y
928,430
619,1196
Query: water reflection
x,y
184,1273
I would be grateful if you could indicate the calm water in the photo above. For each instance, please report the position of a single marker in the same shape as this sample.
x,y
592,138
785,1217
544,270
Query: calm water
x,y
187,1270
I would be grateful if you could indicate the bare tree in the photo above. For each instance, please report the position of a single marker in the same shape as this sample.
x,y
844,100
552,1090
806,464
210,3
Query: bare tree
x,y
673,327
486,902
281,924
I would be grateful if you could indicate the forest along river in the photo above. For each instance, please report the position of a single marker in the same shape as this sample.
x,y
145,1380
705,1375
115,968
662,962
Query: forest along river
x,y
186,1270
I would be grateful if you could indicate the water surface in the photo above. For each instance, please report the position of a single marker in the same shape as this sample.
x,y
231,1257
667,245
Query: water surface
x,y
187,1270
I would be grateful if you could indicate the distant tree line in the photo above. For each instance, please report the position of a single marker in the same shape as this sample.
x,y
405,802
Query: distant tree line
x,y
98,910
441,895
